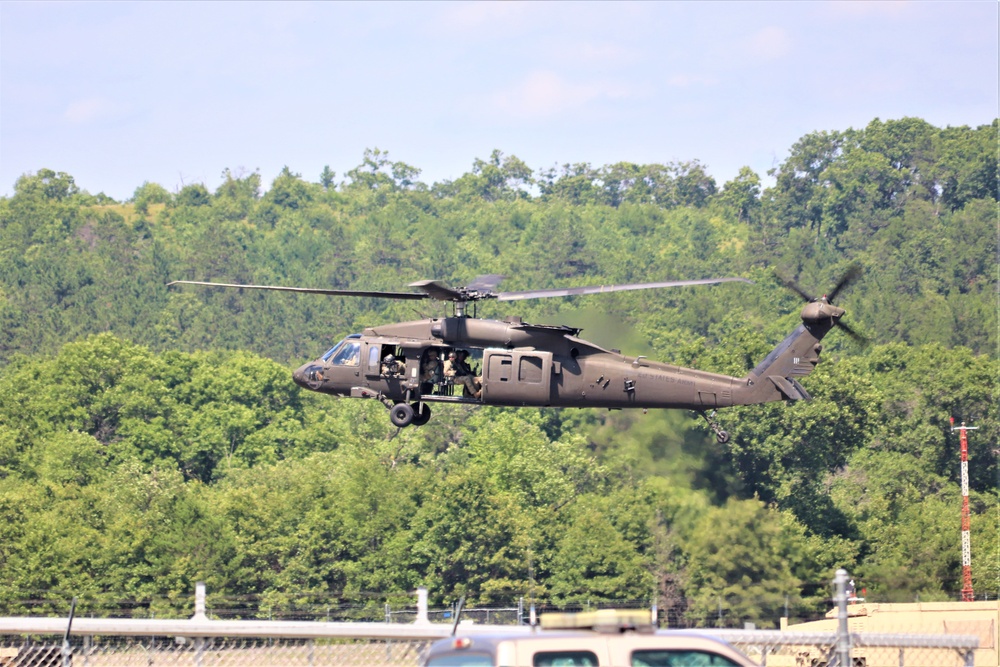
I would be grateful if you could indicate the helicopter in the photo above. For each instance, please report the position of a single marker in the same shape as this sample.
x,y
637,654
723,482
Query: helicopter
x,y
541,365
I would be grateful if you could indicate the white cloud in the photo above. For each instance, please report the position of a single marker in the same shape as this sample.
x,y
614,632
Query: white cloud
x,y
89,110
769,43
543,94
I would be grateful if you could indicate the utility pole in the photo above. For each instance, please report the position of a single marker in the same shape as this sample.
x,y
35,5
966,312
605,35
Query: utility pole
x,y
967,594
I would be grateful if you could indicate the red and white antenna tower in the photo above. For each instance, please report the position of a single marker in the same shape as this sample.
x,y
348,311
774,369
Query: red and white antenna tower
x,y
967,595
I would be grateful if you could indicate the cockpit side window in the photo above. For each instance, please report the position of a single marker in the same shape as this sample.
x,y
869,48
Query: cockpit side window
x,y
348,354
332,351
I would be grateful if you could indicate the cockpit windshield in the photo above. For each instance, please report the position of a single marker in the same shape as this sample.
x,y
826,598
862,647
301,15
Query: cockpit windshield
x,y
345,353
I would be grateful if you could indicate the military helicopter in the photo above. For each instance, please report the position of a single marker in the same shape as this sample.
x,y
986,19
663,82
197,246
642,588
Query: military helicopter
x,y
542,365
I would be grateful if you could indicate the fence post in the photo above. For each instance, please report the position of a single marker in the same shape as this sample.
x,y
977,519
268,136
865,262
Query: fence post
x,y
388,613
843,636
520,610
422,607
199,601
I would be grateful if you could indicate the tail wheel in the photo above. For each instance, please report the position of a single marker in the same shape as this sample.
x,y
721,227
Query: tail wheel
x,y
722,436
401,415
421,413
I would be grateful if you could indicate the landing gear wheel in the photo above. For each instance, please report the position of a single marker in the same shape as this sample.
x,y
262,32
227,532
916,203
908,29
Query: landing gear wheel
x,y
721,435
421,413
401,415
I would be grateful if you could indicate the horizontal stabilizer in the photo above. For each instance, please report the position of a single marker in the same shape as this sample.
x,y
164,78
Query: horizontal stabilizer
x,y
789,388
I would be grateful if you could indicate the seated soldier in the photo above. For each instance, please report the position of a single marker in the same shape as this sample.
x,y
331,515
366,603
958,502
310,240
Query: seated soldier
x,y
457,368
430,368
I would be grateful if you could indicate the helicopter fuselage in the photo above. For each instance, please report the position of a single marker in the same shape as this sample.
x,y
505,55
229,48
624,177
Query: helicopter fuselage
x,y
537,365
521,365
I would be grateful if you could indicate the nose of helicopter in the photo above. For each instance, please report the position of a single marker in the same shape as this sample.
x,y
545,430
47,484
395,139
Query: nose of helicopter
x,y
299,375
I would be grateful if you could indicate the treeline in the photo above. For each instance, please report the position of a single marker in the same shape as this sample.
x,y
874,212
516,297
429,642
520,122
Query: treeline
x,y
174,449
913,204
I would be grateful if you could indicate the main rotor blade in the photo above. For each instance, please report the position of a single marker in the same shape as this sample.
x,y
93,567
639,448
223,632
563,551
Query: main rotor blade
x,y
486,283
601,289
792,285
309,290
437,290
849,277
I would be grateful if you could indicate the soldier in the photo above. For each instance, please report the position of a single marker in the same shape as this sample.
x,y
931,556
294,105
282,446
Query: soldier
x,y
457,368
450,365
430,369
391,366
463,364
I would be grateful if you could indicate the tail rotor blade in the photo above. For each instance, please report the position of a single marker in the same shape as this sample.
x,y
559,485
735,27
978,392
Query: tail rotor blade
x,y
849,277
854,335
792,285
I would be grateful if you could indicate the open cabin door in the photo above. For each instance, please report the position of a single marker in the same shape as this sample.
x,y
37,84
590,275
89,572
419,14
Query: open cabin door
x,y
373,360
517,377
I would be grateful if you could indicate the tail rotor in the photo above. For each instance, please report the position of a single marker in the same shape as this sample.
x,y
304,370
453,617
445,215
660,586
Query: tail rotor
x,y
824,304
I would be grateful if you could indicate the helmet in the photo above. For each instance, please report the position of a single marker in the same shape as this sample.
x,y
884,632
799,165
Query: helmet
x,y
389,359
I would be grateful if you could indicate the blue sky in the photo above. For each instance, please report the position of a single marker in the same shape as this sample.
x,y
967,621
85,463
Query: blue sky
x,y
118,93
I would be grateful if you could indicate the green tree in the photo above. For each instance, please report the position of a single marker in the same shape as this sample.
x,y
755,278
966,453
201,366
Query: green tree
x,y
195,194
741,564
742,195
149,193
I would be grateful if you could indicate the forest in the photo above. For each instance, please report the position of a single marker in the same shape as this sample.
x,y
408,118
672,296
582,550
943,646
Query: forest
x,y
152,437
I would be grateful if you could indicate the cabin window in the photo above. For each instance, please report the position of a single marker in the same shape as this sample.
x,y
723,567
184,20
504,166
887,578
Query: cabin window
x,y
373,357
564,659
530,370
500,367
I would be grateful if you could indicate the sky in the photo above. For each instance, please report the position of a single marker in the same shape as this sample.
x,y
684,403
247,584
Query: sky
x,y
120,93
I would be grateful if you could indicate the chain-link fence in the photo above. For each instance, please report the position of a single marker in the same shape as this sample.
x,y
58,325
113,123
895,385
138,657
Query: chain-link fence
x,y
819,649
400,637
107,651
769,648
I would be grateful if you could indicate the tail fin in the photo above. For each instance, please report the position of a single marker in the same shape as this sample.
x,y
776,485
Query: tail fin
x,y
776,377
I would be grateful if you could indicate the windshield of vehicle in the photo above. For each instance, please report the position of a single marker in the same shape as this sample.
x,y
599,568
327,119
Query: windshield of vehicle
x,y
461,660
679,659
